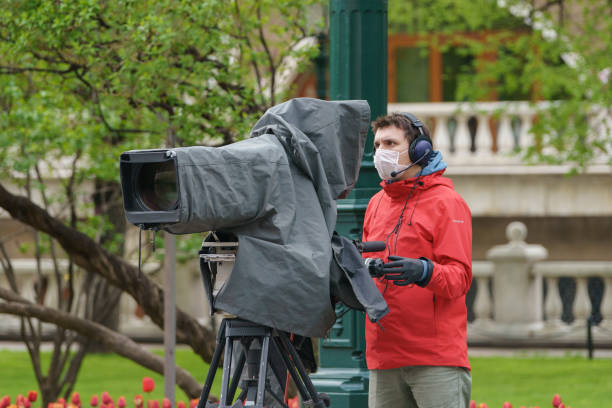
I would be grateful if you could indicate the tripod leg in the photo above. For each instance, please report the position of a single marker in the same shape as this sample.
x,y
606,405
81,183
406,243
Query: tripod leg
x,y
289,365
214,364
279,370
300,367
227,366
263,367
237,372
276,397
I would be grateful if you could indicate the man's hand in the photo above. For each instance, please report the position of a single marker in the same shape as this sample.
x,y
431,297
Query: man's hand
x,y
404,271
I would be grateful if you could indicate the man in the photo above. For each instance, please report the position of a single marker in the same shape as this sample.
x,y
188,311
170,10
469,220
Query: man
x,y
418,353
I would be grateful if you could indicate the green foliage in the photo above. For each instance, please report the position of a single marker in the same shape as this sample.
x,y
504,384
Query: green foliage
x,y
541,54
83,81
101,77
188,246
448,16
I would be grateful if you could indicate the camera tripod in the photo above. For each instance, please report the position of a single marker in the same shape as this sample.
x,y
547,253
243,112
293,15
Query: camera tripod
x,y
275,350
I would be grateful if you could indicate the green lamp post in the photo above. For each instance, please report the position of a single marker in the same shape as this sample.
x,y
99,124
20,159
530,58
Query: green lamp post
x,y
358,70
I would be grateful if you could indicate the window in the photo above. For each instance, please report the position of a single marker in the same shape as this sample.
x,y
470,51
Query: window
x,y
428,68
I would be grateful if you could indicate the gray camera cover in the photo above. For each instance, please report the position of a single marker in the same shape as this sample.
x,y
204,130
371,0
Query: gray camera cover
x,y
277,192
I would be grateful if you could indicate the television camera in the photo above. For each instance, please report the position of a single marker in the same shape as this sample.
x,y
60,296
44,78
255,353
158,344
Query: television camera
x,y
271,257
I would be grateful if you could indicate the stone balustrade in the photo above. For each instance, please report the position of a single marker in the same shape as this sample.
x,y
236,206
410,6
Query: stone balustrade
x,y
473,135
511,307
515,297
482,274
582,306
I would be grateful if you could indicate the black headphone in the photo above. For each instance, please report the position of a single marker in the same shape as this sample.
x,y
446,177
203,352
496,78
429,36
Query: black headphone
x,y
421,148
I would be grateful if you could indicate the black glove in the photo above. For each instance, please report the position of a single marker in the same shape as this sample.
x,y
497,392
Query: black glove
x,y
404,271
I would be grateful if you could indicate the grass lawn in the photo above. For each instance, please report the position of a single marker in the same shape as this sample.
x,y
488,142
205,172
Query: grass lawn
x,y
521,380
101,372
532,381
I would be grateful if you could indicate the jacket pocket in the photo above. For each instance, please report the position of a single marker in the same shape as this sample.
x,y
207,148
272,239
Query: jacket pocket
x,y
415,308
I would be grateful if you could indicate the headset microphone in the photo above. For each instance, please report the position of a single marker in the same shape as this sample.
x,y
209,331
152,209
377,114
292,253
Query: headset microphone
x,y
395,173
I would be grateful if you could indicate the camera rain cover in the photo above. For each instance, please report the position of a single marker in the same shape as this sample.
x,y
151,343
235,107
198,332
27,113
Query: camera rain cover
x,y
276,192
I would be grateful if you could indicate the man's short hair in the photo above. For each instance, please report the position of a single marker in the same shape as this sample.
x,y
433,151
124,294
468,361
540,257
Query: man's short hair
x,y
399,121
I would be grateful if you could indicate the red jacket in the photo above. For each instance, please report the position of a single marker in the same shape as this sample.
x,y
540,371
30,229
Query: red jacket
x,y
424,326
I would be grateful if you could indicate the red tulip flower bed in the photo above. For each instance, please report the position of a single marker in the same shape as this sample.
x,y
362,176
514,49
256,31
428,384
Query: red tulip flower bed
x,y
106,401
556,403
148,385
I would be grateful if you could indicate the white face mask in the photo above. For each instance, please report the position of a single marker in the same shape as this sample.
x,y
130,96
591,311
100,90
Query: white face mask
x,y
386,162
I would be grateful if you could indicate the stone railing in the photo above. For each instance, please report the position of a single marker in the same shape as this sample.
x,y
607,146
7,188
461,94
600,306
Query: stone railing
x,y
515,299
582,307
489,133
511,306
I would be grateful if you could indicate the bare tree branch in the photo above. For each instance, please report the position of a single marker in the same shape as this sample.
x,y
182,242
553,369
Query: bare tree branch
x,y
73,369
271,64
254,63
8,70
95,98
118,343
92,257
8,267
32,348
52,243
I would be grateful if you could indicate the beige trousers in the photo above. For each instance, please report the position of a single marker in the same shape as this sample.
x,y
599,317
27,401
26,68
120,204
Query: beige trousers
x,y
420,387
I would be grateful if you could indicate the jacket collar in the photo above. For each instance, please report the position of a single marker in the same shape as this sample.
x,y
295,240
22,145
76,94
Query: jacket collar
x,y
434,164
400,188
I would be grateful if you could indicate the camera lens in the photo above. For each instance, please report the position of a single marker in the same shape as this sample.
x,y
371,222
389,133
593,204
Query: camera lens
x,y
157,186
